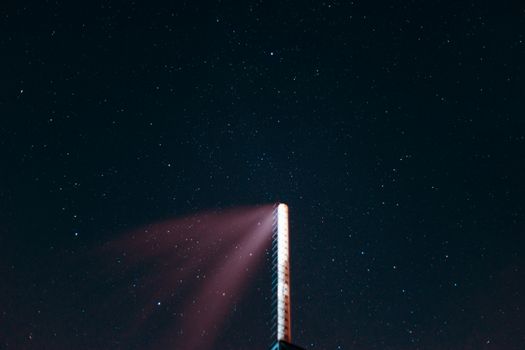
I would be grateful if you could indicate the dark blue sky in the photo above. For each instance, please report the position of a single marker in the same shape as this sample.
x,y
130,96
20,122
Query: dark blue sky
x,y
395,131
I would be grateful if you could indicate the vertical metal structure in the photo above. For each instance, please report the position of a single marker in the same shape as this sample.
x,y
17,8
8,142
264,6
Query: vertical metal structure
x,y
282,331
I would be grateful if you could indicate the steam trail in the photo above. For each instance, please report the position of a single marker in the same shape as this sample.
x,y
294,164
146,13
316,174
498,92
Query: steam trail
x,y
185,275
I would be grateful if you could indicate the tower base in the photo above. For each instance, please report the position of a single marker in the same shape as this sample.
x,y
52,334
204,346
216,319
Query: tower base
x,y
282,345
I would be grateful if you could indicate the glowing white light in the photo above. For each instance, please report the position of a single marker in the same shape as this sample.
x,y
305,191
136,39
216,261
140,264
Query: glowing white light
x,y
283,275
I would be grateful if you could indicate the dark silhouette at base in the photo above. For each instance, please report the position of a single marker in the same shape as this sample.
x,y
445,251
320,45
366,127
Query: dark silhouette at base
x,y
282,345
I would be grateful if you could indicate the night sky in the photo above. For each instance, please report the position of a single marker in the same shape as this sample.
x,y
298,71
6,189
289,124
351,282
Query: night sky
x,y
394,130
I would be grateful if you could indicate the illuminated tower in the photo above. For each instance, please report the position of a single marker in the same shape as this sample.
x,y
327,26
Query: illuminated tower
x,y
281,321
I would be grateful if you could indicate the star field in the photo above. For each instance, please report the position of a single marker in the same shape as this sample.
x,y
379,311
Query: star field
x,y
395,132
